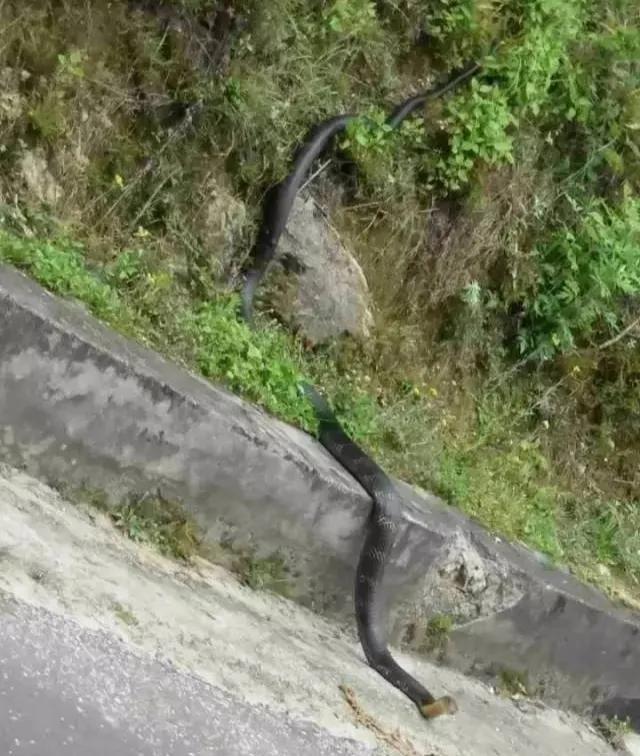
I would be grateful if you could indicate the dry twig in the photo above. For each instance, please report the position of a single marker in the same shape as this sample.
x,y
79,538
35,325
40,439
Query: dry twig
x,y
394,739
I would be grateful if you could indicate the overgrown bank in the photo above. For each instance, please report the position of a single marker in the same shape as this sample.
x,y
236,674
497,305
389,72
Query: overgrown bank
x,y
501,240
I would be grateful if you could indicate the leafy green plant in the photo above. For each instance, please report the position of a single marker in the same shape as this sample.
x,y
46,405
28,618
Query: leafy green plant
x,y
582,275
127,269
72,63
446,17
351,17
514,682
61,267
613,730
478,125
368,133
263,573
259,365
437,634
158,522
125,615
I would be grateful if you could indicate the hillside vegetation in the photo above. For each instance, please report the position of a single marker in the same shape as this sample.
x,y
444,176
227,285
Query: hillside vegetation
x,y
499,231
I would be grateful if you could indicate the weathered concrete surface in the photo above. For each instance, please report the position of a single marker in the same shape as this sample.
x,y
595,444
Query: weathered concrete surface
x,y
80,404
167,658
632,744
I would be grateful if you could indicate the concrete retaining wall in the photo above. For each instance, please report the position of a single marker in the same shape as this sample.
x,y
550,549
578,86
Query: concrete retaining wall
x,y
83,405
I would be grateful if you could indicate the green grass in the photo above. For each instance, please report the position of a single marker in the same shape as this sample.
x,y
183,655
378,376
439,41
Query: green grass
x,y
126,616
146,518
262,573
162,524
613,730
165,526
501,476
436,635
513,683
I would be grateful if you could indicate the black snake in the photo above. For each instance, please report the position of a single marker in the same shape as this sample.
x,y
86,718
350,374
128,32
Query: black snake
x,y
279,199
386,511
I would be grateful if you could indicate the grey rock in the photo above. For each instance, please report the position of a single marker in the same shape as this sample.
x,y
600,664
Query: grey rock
x,y
81,404
37,178
11,100
320,288
222,224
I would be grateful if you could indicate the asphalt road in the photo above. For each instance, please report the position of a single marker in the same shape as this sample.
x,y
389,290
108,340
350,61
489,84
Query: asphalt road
x,y
66,691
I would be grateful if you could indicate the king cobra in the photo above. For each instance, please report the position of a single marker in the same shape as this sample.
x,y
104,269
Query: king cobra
x,y
279,199
385,516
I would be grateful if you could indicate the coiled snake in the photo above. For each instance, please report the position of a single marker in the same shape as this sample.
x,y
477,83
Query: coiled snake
x,y
385,514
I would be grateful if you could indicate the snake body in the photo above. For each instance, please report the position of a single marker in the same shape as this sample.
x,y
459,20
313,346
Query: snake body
x,y
278,203
381,530
385,516
280,198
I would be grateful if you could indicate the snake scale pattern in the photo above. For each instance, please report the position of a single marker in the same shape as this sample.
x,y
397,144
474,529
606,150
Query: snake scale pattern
x,y
385,516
